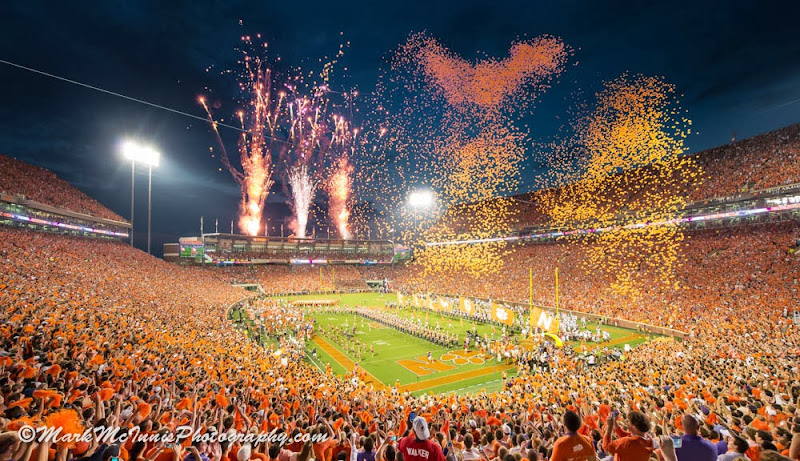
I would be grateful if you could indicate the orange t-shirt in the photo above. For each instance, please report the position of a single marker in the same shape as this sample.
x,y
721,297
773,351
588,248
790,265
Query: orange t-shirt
x,y
631,448
321,448
573,448
603,411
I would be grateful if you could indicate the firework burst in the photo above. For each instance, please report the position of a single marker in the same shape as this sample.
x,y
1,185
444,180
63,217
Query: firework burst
x,y
255,144
339,196
291,125
303,188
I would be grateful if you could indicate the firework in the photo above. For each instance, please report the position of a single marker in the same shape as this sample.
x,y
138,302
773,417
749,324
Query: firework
x,y
339,195
255,142
303,188
291,123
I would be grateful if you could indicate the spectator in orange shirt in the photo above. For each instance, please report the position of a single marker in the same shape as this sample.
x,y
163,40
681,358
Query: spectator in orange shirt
x,y
633,447
572,446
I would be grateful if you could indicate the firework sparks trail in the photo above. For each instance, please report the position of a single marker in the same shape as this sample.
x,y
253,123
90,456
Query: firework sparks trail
x,y
255,179
303,188
340,189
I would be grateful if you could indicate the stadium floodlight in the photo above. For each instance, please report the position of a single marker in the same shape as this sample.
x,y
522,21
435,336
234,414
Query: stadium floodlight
x,y
421,199
140,153
146,155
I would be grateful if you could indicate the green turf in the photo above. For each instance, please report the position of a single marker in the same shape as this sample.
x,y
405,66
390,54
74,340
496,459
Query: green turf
x,y
391,345
459,327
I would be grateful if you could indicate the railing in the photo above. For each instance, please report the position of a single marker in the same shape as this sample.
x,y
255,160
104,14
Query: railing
x,y
21,200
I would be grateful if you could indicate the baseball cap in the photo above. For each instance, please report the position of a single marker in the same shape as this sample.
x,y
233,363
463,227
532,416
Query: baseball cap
x,y
421,428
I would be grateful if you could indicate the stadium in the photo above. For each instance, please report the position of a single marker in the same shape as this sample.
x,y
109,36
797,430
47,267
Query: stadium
x,y
641,307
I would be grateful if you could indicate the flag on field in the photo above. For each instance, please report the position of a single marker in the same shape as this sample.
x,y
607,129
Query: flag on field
x,y
417,301
400,299
502,314
429,303
556,339
444,304
466,305
544,320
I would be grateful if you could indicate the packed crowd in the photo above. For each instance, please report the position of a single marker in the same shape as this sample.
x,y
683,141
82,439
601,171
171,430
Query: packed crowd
x,y
43,186
98,334
749,165
723,273
284,279
760,162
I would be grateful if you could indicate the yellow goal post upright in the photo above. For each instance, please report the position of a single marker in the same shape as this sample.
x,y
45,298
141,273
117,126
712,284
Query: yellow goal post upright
x,y
532,320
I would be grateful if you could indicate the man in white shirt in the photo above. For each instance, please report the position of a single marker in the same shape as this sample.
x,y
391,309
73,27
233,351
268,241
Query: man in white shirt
x,y
470,453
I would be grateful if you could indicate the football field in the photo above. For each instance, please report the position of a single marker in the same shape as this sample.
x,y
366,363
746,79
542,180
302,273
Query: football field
x,y
402,358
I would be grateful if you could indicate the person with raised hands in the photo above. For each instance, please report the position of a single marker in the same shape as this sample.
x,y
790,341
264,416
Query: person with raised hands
x,y
633,445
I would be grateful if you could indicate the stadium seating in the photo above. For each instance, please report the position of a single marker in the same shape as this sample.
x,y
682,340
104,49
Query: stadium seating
x,y
38,184
97,333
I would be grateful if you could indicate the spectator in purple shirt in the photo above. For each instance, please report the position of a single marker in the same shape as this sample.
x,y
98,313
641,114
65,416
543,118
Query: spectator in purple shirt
x,y
722,435
693,447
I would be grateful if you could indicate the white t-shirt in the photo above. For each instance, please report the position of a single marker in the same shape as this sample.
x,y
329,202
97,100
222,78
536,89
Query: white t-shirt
x,y
471,454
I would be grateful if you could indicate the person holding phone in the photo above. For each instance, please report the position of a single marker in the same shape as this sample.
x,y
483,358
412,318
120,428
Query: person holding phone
x,y
387,451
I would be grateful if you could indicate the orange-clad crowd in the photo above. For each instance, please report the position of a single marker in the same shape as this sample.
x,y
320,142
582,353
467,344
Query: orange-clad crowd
x,y
723,273
96,334
43,186
278,279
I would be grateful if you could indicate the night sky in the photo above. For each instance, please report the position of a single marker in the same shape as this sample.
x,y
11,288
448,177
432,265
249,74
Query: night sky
x,y
736,62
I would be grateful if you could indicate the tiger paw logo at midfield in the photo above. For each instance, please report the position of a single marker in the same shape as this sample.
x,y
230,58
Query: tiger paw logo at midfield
x,y
463,358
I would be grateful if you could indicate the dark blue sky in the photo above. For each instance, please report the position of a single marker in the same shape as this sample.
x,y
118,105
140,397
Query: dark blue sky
x,y
736,62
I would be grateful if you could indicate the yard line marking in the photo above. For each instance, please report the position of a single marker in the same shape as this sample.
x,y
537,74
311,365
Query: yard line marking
x,y
344,361
442,380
